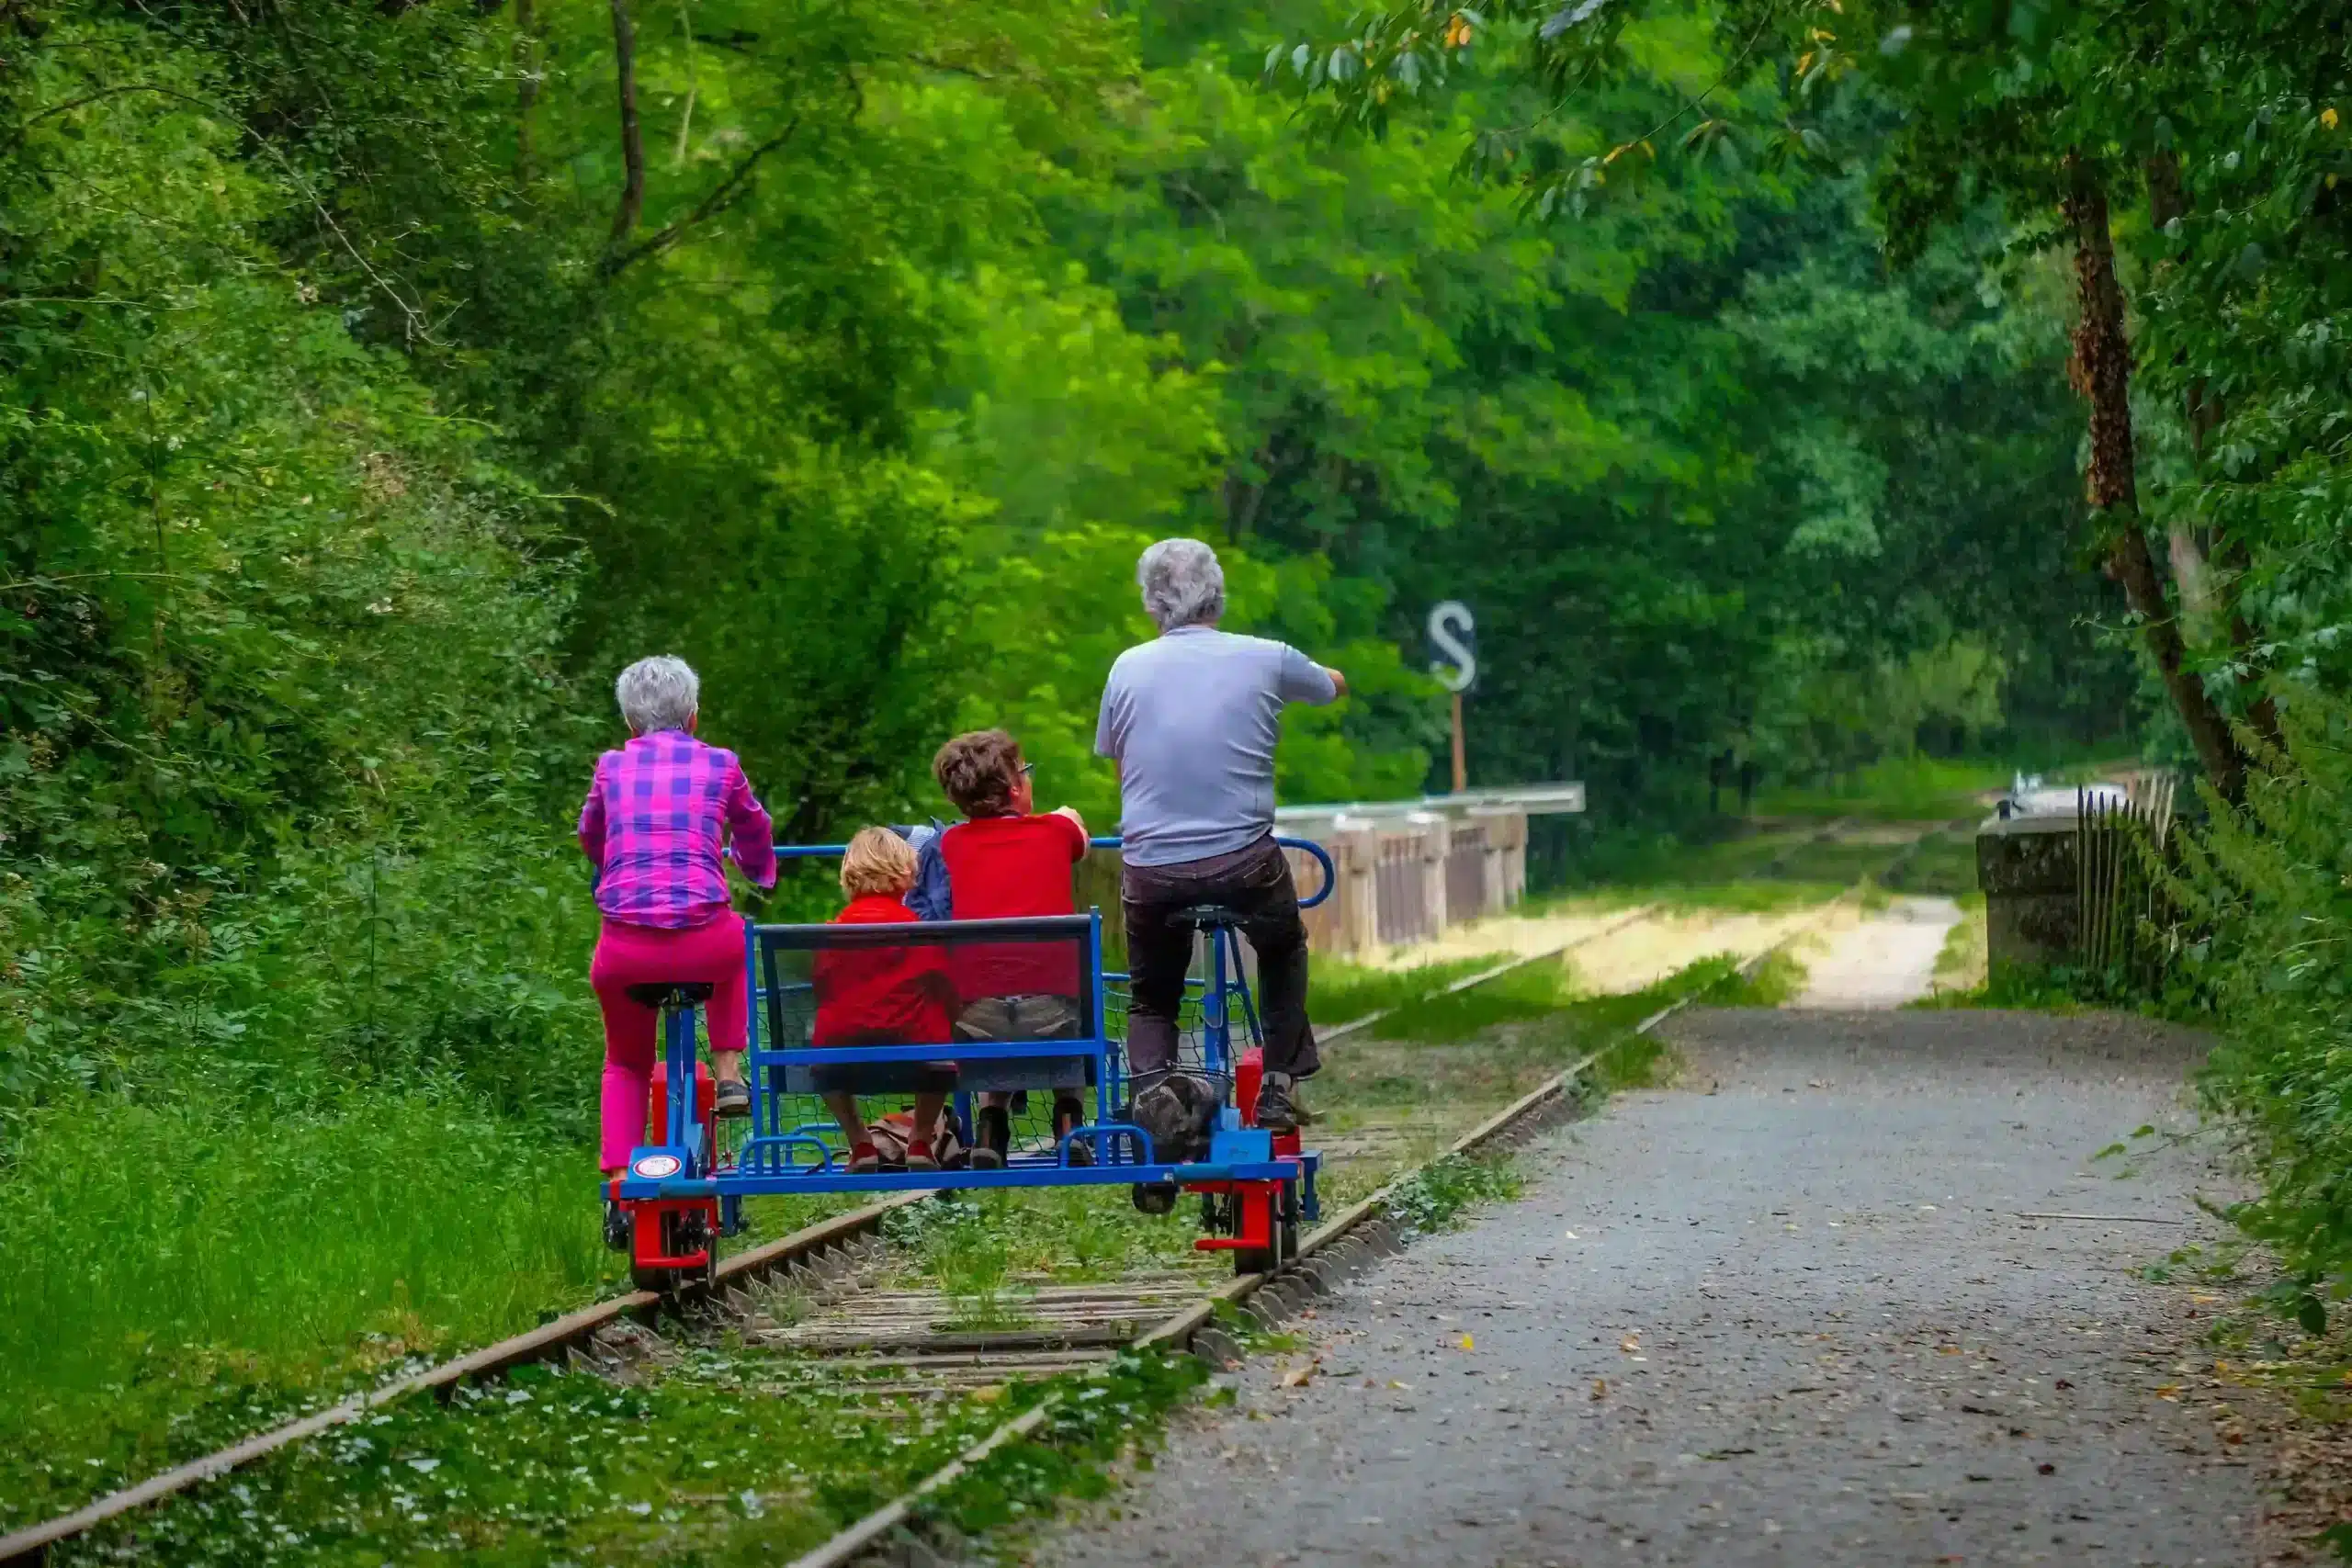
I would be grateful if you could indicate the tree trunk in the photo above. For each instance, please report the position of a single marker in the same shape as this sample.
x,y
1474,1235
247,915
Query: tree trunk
x,y
526,86
2208,599
2102,373
632,135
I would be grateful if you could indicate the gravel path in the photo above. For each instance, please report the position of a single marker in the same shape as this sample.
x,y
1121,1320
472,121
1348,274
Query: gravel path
x,y
1782,1315
1882,961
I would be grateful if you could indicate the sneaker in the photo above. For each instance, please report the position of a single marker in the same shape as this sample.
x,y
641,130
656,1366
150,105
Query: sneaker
x,y
1070,1113
1277,1110
996,1139
1153,1197
617,1229
865,1160
734,1098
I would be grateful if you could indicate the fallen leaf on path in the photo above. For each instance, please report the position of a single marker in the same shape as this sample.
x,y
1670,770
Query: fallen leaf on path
x,y
1297,1376
1467,1342
1631,1343
1600,1388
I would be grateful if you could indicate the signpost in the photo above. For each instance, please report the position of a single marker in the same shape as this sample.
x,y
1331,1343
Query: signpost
x,y
1453,635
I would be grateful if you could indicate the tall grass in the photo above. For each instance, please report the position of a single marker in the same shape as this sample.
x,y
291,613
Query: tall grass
x,y
178,1271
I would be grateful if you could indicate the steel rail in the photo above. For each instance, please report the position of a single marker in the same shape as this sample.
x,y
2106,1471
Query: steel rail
x,y
31,1543
1176,1331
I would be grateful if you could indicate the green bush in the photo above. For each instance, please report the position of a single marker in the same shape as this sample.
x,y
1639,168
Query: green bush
x,y
2270,886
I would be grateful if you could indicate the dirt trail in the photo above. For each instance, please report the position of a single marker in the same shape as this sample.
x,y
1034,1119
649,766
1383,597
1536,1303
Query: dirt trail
x,y
1786,1315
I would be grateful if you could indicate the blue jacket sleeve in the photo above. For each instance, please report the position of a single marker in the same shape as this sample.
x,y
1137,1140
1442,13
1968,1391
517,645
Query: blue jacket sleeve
x,y
932,897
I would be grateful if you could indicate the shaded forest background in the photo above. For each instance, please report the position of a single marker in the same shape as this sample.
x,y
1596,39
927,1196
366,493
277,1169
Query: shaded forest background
x,y
378,379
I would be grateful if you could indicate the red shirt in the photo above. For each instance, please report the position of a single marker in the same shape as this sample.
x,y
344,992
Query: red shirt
x,y
1000,867
881,996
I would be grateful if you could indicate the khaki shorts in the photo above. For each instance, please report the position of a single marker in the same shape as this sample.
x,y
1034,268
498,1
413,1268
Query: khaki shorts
x,y
1018,1018
1035,1017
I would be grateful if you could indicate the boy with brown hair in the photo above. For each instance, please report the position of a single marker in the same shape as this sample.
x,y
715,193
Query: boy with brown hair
x,y
1004,860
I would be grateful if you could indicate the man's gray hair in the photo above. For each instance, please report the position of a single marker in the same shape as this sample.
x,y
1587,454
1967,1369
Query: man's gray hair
x,y
660,692
1182,585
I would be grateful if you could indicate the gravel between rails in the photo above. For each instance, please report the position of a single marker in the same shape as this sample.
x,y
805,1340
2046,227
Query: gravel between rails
x,y
1798,1323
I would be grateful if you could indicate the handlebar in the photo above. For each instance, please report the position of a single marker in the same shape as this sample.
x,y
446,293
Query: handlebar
x,y
1306,846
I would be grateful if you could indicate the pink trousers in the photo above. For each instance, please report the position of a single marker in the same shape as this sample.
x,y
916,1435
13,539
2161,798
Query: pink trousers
x,y
636,955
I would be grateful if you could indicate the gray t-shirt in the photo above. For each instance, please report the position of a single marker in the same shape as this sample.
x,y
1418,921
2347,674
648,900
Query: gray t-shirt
x,y
1191,719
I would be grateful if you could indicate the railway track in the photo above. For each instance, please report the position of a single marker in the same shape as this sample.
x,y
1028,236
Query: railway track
x,y
818,1293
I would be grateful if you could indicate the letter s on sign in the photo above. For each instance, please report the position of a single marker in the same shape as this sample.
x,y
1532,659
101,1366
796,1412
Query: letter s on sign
x,y
1451,633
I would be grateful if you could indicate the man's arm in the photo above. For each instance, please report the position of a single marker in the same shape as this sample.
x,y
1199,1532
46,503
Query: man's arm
x,y
1107,740
1303,681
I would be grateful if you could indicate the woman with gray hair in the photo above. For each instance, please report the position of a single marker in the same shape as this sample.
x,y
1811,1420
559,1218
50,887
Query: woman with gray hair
x,y
1191,718
655,824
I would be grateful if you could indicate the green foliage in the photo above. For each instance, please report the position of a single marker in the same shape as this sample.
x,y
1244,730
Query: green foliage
x,y
1436,1195
2270,886
358,425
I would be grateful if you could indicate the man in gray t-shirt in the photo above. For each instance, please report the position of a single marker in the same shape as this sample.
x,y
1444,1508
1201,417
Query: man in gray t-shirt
x,y
1191,719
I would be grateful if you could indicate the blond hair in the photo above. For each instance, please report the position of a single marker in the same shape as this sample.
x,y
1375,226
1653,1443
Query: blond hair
x,y
877,860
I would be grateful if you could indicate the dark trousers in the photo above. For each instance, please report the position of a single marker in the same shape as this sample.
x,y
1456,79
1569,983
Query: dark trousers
x,y
1255,884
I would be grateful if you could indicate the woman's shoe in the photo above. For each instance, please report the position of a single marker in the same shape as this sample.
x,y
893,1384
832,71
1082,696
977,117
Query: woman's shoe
x,y
734,1098
995,1130
1068,1114
865,1160
919,1162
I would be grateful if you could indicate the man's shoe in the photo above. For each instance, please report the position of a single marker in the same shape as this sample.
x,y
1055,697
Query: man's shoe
x,y
1153,1197
734,1098
919,1162
865,1160
1177,1111
1278,1111
617,1226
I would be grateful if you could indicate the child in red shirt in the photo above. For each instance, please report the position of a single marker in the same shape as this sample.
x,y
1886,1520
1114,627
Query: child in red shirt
x,y
883,996
1004,860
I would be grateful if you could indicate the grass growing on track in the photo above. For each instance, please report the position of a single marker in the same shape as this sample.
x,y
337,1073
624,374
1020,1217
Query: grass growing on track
x,y
732,1455
183,1273
983,1250
735,1454
1340,992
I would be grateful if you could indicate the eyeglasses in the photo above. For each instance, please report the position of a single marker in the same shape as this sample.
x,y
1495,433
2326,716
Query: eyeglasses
x,y
1026,769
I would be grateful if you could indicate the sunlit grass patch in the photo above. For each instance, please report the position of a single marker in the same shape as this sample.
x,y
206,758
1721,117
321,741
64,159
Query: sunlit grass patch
x,y
1340,992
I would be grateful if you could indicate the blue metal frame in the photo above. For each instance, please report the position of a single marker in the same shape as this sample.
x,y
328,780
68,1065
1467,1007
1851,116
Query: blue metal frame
x,y
767,1163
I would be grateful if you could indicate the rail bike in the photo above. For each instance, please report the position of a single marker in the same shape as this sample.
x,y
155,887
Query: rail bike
x,y
683,1188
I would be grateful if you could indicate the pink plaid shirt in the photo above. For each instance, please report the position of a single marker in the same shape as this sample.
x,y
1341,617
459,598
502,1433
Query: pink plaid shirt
x,y
656,816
